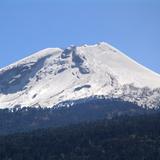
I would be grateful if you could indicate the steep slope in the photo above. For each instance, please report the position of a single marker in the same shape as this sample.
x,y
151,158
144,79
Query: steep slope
x,y
54,75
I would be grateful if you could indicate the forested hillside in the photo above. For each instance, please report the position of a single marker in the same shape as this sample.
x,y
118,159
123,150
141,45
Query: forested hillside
x,y
121,138
90,110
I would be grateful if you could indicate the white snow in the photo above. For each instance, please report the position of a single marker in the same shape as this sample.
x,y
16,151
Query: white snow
x,y
52,75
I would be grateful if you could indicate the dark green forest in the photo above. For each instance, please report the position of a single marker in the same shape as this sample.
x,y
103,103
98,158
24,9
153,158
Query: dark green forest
x,y
120,138
27,119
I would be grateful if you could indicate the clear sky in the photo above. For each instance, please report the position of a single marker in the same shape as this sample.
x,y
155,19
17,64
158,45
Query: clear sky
x,y
133,26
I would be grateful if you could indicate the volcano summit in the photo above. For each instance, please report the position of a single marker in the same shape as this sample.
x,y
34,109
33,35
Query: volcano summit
x,y
53,76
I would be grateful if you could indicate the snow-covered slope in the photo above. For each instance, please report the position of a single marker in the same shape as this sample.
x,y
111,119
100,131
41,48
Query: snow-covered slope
x,y
54,75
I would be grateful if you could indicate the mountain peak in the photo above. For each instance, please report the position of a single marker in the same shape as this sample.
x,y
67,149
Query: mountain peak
x,y
54,75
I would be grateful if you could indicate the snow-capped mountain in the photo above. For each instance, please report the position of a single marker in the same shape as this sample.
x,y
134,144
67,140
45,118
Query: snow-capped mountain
x,y
55,75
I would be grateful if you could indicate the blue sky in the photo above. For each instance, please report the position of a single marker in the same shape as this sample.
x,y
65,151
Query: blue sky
x,y
133,26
